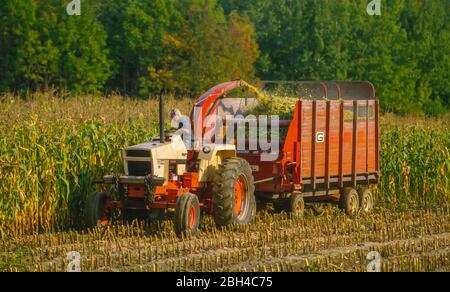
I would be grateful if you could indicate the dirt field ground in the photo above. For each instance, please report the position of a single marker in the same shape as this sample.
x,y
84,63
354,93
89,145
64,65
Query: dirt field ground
x,y
330,241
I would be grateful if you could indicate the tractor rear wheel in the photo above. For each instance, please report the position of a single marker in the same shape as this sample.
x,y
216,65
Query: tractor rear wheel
x,y
97,212
234,199
366,200
350,202
187,214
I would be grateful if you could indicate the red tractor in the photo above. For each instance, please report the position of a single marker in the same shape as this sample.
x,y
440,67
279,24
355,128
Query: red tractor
x,y
329,153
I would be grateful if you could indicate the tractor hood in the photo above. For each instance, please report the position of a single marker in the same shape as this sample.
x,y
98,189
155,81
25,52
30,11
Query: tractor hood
x,y
145,146
154,157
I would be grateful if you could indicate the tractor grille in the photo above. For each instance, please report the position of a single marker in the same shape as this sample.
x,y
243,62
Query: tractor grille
x,y
139,168
138,153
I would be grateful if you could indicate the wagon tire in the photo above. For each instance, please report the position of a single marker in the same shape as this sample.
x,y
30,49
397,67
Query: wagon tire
x,y
366,200
234,200
187,214
297,206
349,202
97,213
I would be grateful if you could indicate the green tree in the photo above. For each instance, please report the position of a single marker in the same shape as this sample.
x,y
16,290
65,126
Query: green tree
x,y
83,64
404,52
17,36
42,46
427,24
379,53
241,47
135,33
298,39
205,48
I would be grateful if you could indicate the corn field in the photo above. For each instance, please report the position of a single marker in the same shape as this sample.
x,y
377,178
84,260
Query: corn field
x,y
52,148
415,163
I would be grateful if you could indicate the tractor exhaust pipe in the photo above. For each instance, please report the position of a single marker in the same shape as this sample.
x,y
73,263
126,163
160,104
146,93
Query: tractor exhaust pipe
x,y
161,119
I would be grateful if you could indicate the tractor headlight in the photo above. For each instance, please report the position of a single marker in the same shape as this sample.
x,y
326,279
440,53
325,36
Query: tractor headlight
x,y
206,149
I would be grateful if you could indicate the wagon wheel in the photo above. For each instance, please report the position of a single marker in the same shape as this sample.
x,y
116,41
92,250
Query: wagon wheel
x,y
297,206
350,202
234,200
366,200
187,214
97,211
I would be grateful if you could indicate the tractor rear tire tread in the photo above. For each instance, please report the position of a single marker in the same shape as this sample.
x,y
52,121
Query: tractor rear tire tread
x,y
223,199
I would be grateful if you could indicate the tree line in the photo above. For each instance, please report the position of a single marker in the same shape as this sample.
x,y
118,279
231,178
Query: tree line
x,y
144,47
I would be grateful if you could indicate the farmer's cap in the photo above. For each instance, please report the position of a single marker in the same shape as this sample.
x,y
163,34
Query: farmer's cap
x,y
175,113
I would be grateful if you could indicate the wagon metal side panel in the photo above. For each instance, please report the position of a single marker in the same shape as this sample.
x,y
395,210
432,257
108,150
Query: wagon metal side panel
x,y
306,129
336,142
334,137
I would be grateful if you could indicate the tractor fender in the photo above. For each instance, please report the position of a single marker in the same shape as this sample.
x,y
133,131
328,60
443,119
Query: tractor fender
x,y
211,156
210,151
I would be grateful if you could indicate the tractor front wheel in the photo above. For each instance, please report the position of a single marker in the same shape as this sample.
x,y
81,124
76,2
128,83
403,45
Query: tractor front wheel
x,y
97,211
234,200
187,214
